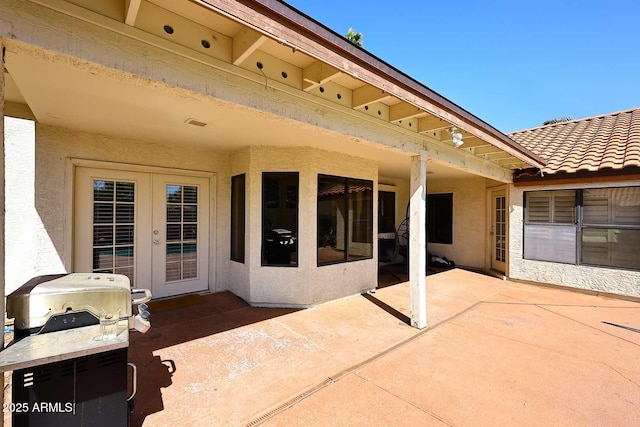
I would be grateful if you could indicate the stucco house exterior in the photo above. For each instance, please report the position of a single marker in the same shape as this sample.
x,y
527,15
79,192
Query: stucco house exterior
x,y
209,145
577,221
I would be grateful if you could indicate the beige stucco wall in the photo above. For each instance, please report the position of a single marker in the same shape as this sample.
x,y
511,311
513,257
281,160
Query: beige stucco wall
x,y
470,198
302,286
611,280
53,185
305,284
29,250
469,220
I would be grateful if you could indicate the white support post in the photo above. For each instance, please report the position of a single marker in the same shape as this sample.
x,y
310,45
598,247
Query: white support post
x,y
418,241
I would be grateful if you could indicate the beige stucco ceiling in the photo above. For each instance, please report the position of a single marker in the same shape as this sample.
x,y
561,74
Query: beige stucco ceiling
x,y
65,96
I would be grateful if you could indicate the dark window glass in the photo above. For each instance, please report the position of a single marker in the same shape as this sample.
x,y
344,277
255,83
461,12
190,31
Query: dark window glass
x,y
360,231
386,212
332,220
345,219
440,218
237,217
387,238
280,218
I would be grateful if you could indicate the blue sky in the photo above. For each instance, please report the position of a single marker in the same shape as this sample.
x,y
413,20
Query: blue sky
x,y
512,63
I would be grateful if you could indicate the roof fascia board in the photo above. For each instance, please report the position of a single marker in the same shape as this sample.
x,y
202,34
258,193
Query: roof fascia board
x,y
608,176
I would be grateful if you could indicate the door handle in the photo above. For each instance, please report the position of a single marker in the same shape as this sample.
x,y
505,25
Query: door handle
x,y
156,241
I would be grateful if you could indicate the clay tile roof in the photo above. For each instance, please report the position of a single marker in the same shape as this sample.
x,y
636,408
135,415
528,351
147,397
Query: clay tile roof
x,y
591,144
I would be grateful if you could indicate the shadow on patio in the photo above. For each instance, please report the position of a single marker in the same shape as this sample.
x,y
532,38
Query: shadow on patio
x,y
176,322
495,353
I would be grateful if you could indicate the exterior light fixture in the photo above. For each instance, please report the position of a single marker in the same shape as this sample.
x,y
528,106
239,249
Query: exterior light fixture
x,y
457,137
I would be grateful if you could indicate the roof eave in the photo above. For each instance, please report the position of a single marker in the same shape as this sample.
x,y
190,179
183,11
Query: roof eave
x,y
305,26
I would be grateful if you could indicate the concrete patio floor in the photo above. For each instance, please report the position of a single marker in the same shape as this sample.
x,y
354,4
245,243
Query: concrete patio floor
x,y
495,353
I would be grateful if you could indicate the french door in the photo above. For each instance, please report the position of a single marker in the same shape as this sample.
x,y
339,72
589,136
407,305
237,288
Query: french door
x,y
498,234
152,227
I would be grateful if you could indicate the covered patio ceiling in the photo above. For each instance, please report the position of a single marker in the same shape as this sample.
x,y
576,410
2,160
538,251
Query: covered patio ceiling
x,y
68,95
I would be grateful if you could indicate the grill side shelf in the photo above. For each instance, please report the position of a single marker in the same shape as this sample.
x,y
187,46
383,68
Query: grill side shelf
x,y
41,349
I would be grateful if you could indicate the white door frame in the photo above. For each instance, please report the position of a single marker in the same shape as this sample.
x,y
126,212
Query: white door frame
x,y
492,194
71,170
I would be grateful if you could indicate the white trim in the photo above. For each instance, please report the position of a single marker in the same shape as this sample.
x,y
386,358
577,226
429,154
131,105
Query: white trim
x,y
133,167
489,222
69,197
213,266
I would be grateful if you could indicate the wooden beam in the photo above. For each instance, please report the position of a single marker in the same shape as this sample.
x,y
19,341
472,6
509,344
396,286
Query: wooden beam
x,y
367,95
404,111
475,142
245,43
495,156
432,124
318,73
489,149
512,161
133,7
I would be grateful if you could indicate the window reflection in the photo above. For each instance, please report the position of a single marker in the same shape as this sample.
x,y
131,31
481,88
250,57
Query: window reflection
x,y
280,218
345,219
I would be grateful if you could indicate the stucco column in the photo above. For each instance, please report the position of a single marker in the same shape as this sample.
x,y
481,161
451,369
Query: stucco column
x,y
418,241
2,206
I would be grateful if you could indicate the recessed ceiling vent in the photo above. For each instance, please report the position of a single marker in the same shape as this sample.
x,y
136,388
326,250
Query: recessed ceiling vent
x,y
195,122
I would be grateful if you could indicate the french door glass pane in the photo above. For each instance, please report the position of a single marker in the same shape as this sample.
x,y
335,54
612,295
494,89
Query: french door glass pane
x,y
500,229
113,227
182,232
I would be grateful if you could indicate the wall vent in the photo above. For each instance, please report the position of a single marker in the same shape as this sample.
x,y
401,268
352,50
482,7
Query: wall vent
x,y
195,122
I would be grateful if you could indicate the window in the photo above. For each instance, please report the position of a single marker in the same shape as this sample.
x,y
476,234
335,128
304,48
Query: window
x,y
550,226
593,226
611,227
551,207
440,218
280,218
237,217
345,219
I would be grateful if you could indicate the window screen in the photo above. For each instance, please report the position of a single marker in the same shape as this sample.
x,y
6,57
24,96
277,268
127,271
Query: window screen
x,y
550,230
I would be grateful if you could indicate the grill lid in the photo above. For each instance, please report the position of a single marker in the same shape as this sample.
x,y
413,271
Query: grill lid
x,y
45,296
